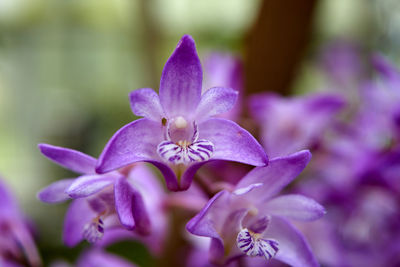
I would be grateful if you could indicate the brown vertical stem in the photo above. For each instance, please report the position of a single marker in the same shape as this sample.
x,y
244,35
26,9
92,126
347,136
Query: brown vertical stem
x,y
276,44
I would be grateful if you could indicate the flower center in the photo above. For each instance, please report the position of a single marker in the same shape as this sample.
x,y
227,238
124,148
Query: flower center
x,y
252,244
182,145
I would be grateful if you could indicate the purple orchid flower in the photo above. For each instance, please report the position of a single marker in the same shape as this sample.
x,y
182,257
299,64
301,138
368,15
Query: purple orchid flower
x,y
17,247
292,124
104,201
252,220
177,133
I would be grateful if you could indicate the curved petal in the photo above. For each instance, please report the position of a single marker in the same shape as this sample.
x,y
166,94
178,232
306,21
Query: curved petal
x,y
215,101
278,174
146,103
232,142
295,207
293,247
25,241
55,192
169,175
68,158
130,207
98,257
78,215
188,175
181,80
136,141
208,221
87,185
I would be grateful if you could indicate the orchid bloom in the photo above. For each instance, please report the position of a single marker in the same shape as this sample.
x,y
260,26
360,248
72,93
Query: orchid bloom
x,y
252,221
16,242
178,134
284,129
101,201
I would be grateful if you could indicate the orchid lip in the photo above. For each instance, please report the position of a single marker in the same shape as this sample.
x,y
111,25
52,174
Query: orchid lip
x,y
253,245
94,230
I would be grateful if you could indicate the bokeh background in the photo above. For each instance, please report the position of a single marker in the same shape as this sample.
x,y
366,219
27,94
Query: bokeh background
x,y
66,68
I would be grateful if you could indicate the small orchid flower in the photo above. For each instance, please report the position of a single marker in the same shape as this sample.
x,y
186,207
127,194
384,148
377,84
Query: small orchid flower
x,y
102,201
252,221
16,242
177,133
292,124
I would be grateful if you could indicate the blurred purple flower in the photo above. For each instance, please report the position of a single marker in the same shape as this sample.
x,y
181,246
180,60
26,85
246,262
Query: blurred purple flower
x,y
17,247
292,124
252,220
224,70
105,201
177,133
97,257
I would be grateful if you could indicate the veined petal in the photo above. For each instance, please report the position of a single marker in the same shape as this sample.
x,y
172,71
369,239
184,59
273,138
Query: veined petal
x,y
293,248
68,158
87,185
278,174
130,207
145,102
181,80
232,142
55,192
215,101
136,141
295,207
78,215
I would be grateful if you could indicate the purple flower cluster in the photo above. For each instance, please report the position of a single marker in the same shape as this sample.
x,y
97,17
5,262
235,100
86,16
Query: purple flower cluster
x,y
353,131
185,126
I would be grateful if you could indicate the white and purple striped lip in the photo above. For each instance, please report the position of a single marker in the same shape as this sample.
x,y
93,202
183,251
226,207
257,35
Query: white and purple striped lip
x,y
177,149
253,245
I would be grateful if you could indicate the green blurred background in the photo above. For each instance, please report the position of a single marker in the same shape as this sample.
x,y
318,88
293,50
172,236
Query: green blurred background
x,y
66,67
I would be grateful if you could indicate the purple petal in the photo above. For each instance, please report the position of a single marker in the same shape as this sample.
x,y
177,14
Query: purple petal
x,y
130,207
87,185
146,103
188,175
24,239
136,141
295,207
97,257
293,248
169,176
8,204
215,101
245,190
78,215
232,142
279,173
68,158
181,80
207,221
389,71
55,192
